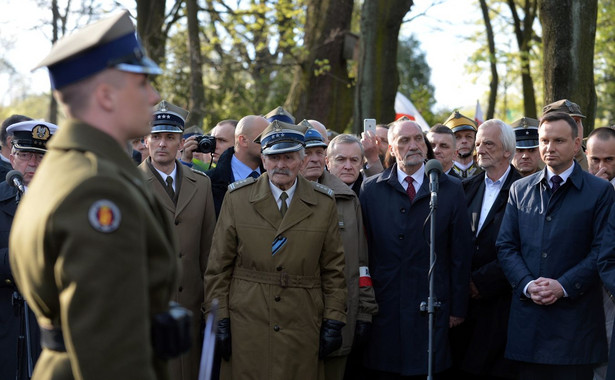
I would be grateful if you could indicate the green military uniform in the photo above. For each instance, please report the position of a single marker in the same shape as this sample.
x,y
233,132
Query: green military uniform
x,y
276,278
93,254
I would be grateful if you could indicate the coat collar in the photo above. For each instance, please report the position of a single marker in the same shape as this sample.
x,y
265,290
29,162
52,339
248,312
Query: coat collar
x,y
576,177
390,177
267,208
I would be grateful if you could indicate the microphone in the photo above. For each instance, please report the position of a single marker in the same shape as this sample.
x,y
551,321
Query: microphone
x,y
15,179
433,168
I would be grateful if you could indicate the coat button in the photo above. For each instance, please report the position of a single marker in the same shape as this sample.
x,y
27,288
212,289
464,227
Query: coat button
x,y
276,328
544,255
181,255
181,288
8,281
278,269
277,298
176,222
402,210
548,218
401,236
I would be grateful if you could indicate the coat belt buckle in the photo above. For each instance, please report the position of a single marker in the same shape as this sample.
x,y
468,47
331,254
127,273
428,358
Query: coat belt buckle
x,y
284,279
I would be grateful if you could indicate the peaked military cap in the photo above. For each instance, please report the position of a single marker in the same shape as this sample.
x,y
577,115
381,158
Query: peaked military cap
x,y
169,118
526,132
565,106
108,43
458,122
280,137
31,135
280,114
313,138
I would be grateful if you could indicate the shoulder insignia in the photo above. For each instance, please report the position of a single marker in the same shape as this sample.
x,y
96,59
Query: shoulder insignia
x,y
241,183
104,216
323,189
197,171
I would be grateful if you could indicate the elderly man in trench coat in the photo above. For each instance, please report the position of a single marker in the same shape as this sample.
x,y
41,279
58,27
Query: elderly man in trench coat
x,y
277,268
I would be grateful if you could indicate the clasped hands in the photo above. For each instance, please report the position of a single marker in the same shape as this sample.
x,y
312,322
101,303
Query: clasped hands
x,y
545,291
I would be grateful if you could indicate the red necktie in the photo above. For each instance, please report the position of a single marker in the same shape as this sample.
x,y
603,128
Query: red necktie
x,y
410,190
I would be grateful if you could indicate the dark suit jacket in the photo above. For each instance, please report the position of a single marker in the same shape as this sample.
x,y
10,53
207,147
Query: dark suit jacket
x,y
5,167
479,342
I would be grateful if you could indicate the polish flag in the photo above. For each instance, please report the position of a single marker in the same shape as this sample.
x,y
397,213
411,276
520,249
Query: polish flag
x,y
405,107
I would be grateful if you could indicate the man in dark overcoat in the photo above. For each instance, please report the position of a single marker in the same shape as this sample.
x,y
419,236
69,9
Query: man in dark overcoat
x,y
398,242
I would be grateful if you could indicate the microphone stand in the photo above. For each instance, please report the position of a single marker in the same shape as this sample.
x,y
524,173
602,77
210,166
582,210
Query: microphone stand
x,y
432,304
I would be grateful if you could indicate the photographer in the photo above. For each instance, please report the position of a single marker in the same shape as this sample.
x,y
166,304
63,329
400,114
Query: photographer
x,y
238,162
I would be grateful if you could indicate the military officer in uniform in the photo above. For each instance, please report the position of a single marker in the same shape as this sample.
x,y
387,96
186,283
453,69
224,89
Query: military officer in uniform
x,y
361,298
19,337
187,200
277,268
91,248
527,156
464,128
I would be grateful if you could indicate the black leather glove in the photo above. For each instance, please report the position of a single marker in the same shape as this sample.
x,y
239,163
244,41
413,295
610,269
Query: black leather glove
x,y
223,338
361,333
330,337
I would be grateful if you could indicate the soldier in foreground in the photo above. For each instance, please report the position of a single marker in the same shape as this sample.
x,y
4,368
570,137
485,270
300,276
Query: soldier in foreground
x,y
91,249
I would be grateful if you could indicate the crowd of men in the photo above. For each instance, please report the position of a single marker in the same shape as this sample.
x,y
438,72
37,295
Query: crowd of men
x,y
313,251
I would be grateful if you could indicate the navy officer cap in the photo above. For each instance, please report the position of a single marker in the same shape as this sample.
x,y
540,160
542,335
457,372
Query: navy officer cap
x,y
526,132
280,137
31,135
169,118
109,43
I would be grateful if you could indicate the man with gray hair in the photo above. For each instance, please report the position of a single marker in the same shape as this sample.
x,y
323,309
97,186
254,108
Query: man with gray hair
x,y
277,268
345,159
484,330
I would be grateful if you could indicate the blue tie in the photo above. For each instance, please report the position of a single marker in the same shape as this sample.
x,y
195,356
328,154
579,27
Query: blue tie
x,y
254,174
557,181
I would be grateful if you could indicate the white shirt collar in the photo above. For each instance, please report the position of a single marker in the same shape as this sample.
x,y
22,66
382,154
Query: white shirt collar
x,y
276,191
500,181
418,177
173,175
565,174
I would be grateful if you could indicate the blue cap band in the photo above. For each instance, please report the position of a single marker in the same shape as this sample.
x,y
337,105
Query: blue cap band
x,y
125,49
282,118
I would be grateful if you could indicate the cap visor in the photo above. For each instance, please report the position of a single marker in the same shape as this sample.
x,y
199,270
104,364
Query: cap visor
x,y
141,66
283,147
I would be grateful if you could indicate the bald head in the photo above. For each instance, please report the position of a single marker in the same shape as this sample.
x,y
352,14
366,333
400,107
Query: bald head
x,y
246,150
321,129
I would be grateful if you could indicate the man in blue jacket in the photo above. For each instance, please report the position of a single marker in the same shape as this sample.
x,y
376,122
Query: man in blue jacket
x,y
395,206
547,247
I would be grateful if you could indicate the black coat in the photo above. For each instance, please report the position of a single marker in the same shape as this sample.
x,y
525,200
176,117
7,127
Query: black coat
x,y
10,317
5,167
399,263
479,343
221,176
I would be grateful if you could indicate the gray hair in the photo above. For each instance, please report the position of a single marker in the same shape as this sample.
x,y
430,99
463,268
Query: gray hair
x,y
507,135
344,139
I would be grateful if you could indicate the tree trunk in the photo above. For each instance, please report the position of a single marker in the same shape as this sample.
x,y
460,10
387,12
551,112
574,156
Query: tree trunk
x,y
321,88
150,20
493,84
569,30
377,78
524,35
197,89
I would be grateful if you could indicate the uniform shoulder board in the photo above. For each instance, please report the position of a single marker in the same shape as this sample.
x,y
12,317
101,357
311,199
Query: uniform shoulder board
x,y
323,189
241,183
197,171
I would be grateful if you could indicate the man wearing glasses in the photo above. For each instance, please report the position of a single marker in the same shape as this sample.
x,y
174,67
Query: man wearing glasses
x,y
19,345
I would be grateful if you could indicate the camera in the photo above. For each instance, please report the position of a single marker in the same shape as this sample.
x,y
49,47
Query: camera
x,y
205,144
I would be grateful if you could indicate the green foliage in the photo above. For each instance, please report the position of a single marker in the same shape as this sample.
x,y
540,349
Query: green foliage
x,y
414,76
604,64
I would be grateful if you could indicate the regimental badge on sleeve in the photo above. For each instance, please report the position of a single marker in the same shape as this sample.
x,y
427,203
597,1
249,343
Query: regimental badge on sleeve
x,y
104,216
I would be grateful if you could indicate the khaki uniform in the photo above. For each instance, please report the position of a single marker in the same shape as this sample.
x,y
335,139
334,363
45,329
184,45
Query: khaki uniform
x,y
93,254
194,220
276,303
361,299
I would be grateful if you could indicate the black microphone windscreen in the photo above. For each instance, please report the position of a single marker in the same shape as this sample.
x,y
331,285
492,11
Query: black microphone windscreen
x,y
432,165
13,174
